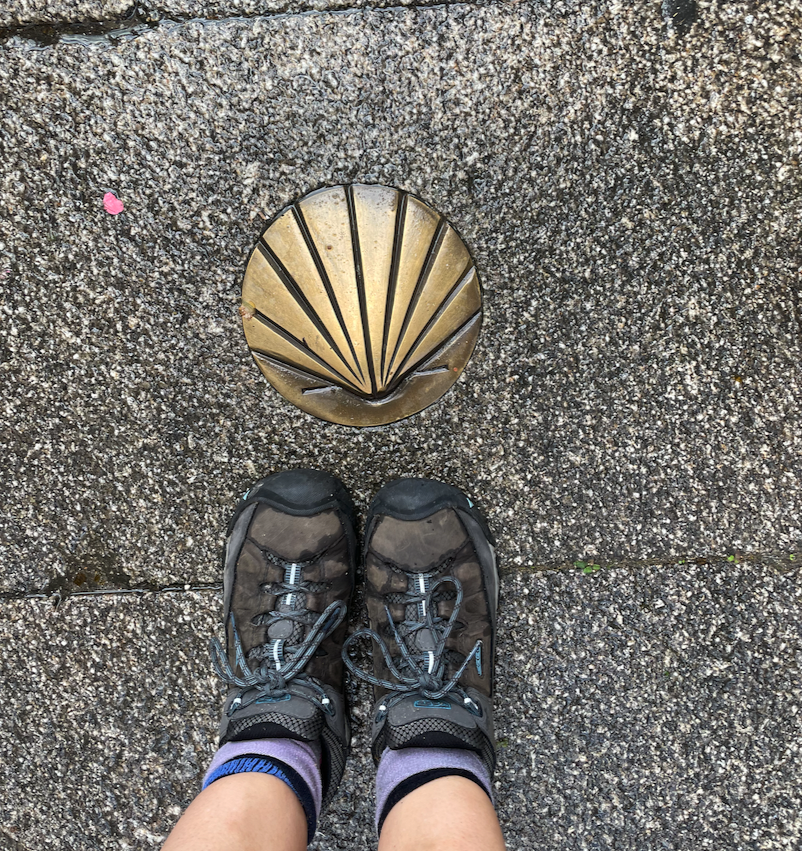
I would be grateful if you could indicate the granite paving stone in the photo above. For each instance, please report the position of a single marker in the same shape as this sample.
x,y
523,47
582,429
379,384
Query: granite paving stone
x,y
71,19
25,12
632,199
655,708
629,186
636,709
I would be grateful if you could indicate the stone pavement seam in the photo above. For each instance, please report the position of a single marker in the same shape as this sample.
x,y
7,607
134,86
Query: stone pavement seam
x,y
141,591
141,19
780,565
49,28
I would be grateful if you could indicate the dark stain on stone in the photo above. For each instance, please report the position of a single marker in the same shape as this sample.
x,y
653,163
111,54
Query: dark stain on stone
x,y
681,14
134,21
89,567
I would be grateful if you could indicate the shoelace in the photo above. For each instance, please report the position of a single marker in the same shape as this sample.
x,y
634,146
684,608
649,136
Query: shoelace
x,y
426,673
272,682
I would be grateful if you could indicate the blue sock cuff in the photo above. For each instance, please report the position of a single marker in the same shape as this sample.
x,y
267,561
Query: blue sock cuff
x,y
262,765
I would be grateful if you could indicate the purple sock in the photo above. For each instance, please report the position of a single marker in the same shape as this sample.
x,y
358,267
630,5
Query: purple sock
x,y
402,771
295,763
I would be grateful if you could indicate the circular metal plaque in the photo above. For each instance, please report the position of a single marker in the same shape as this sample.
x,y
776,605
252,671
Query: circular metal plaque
x,y
361,304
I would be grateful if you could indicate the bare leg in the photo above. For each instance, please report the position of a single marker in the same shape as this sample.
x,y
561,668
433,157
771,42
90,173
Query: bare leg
x,y
448,813
243,812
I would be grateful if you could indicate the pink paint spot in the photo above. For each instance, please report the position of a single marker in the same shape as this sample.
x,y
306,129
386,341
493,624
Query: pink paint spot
x,y
112,204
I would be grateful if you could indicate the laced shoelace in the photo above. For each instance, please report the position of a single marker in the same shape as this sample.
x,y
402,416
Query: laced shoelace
x,y
423,673
273,681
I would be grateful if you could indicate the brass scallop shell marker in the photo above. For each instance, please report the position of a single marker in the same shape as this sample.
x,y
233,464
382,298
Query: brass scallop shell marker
x,y
361,305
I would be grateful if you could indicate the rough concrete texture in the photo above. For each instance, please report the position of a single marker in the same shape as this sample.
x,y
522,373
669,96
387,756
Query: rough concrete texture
x,y
648,709
632,200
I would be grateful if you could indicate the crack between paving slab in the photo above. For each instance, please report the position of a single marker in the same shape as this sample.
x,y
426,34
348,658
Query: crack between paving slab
x,y
141,19
58,597
784,564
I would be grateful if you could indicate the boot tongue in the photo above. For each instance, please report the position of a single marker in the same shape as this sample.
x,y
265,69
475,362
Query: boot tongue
x,y
281,630
419,640
425,640
288,630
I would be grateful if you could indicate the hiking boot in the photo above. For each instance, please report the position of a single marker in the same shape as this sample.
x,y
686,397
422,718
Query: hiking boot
x,y
288,578
432,594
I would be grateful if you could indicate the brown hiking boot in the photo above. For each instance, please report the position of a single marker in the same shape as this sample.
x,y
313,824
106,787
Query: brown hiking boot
x,y
432,593
288,578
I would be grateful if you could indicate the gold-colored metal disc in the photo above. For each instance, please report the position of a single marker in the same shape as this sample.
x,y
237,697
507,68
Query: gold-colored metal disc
x,y
361,304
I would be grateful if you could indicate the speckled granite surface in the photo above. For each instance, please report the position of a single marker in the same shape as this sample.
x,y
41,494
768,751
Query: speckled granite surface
x,y
632,198
79,15
27,12
648,709
632,202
